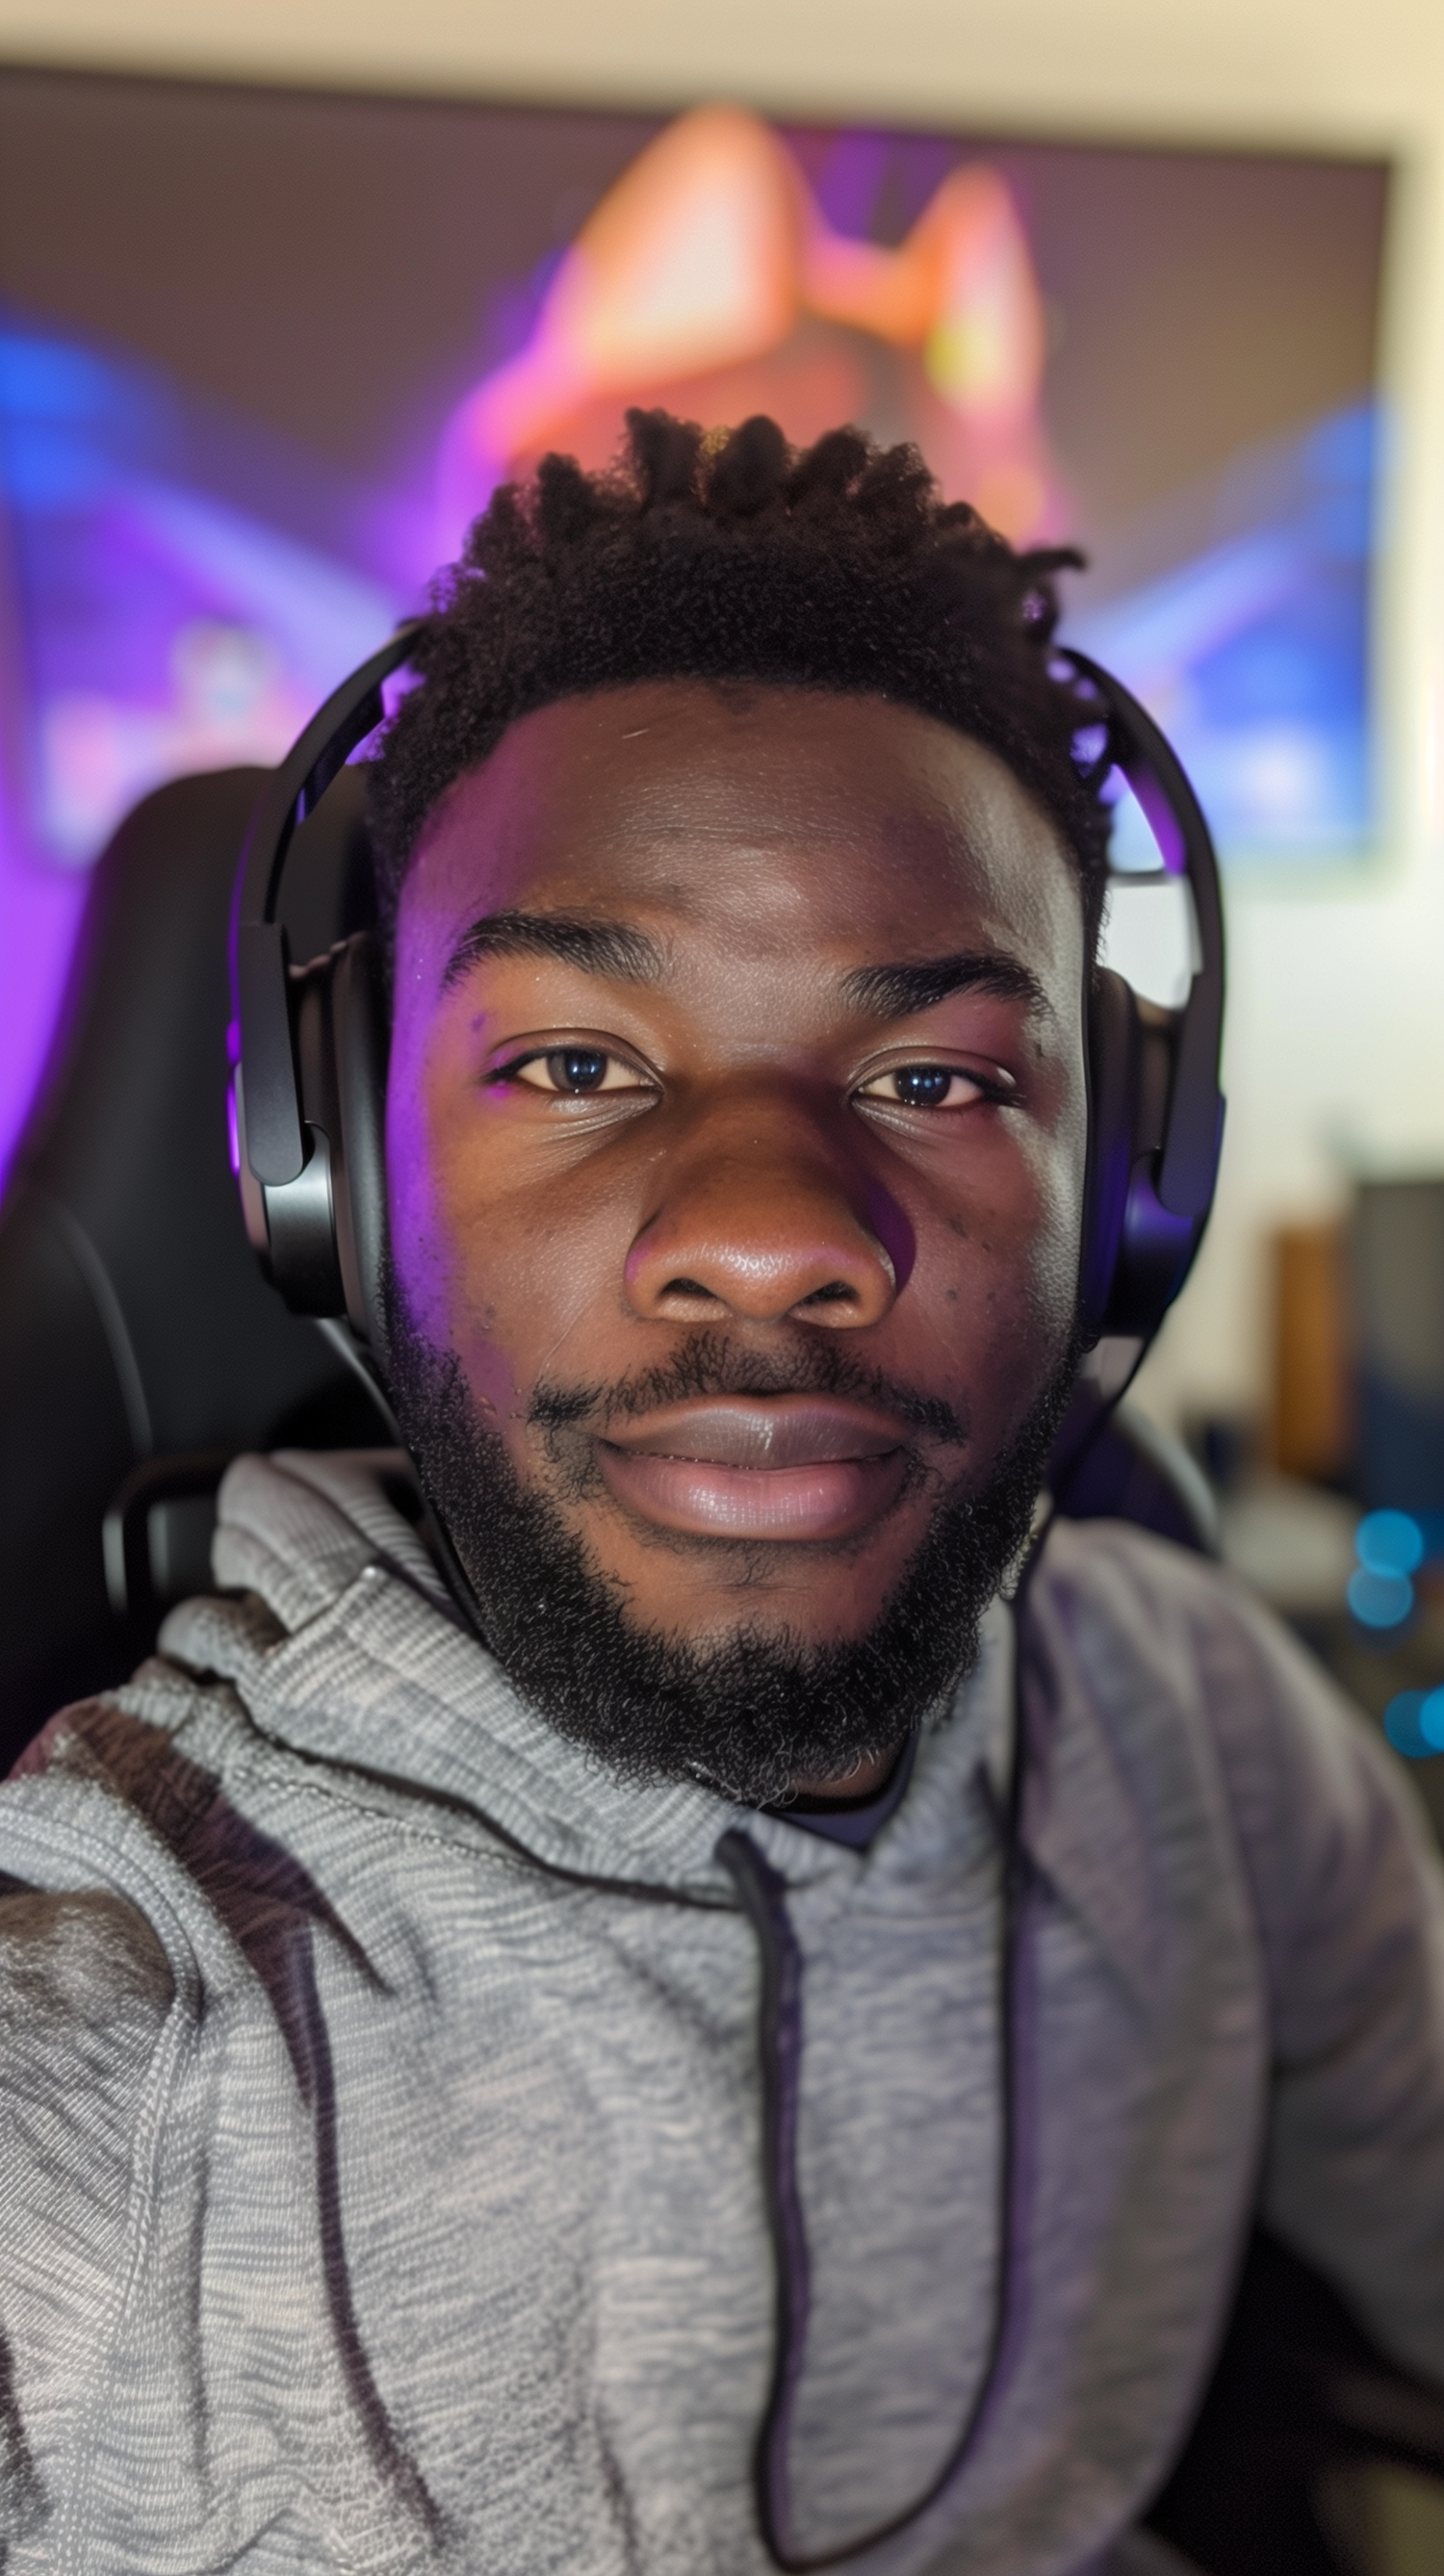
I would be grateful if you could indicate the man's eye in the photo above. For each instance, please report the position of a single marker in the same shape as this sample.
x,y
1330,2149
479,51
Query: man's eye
x,y
925,1086
574,1071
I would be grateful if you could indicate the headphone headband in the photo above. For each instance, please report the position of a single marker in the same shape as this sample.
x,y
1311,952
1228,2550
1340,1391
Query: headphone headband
x,y
1188,1170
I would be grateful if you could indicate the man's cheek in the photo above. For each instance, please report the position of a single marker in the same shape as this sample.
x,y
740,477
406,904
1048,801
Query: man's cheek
x,y
1017,1262
1010,1325
521,1302
436,1193
1052,1234
1053,1282
537,1266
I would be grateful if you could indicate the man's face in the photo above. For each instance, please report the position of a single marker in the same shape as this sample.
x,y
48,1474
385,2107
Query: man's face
x,y
736,1132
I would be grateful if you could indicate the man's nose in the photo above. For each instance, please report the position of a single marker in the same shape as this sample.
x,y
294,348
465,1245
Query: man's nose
x,y
766,1225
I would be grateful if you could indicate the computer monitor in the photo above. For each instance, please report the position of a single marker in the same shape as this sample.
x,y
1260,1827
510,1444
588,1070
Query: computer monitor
x,y
262,355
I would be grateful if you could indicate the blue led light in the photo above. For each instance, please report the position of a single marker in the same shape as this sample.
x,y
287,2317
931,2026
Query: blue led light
x,y
1403,1728
1414,1724
1389,1543
1380,1600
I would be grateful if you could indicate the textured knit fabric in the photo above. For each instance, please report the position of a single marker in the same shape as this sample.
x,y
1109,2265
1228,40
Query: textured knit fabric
x,y
381,2180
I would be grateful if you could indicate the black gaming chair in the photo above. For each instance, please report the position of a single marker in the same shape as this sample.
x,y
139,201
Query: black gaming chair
x,y
133,1321
139,1349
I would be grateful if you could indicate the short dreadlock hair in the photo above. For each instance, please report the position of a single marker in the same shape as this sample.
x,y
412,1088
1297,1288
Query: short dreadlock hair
x,y
734,557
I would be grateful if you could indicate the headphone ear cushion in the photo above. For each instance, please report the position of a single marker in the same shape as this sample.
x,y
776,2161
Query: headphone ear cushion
x,y
360,1047
1113,1058
298,1216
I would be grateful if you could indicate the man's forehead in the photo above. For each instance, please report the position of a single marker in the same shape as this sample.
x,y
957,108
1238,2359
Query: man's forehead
x,y
802,809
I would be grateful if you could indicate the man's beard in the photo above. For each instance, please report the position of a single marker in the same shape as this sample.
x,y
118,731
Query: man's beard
x,y
756,1711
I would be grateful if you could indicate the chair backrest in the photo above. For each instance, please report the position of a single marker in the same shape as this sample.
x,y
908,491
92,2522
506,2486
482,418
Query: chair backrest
x,y
133,1320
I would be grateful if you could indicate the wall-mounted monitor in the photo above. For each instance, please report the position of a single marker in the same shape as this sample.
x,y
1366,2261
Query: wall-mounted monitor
x,y
263,354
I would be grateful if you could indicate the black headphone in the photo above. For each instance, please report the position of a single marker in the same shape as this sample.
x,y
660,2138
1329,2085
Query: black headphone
x,y
309,1046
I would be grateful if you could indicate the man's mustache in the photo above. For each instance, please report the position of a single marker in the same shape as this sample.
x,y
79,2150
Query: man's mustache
x,y
711,1363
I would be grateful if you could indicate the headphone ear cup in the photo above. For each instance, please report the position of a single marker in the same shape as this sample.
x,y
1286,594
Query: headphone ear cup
x,y
1113,1072
298,1216
1157,1249
1136,1252
360,1047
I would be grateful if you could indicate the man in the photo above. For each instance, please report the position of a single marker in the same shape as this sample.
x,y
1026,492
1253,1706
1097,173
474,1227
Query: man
x,y
597,2099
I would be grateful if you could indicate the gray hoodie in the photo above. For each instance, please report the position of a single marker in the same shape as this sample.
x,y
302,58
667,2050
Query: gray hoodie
x,y
390,2117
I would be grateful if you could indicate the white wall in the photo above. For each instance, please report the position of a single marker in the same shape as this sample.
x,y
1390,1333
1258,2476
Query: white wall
x,y
1336,1039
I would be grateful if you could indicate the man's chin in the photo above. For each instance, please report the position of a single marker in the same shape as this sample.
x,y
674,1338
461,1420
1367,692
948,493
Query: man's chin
x,y
749,1693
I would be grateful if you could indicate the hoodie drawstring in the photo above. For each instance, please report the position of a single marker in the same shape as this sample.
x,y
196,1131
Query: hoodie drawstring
x,y
762,1894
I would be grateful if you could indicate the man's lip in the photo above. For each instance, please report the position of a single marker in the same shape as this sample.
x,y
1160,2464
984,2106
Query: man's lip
x,y
780,1467
766,1433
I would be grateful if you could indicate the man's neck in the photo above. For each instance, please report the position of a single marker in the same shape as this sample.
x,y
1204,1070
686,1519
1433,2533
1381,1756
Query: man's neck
x,y
865,1781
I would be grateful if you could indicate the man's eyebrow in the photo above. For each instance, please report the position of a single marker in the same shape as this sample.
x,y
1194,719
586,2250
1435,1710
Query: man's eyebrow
x,y
597,947
896,992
